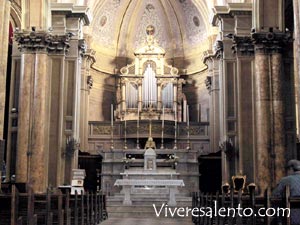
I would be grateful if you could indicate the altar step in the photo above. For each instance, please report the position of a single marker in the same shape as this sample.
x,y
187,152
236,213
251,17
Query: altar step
x,y
142,211
142,206
148,200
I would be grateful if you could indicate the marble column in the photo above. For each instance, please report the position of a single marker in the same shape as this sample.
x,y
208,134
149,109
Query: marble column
x,y
24,115
278,118
31,165
270,108
270,38
38,150
4,32
263,123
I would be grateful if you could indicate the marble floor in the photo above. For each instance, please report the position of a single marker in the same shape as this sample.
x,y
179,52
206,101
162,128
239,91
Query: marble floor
x,y
146,221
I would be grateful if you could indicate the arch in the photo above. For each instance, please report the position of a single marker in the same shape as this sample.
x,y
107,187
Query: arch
x,y
15,15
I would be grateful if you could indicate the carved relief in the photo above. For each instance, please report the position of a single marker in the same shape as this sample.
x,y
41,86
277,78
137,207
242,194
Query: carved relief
x,y
271,41
41,41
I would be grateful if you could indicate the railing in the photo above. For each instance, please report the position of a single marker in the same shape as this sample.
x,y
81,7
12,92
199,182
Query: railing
x,y
51,208
249,201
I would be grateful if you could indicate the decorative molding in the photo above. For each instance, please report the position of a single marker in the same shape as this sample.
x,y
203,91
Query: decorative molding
x,y
270,42
72,10
241,45
90,82
82,47
208,83
42,42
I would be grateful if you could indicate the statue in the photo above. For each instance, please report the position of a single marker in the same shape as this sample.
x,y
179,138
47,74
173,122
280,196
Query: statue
x,y
150,143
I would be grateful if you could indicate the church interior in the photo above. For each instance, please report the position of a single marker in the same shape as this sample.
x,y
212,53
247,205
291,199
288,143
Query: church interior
x,y
183,95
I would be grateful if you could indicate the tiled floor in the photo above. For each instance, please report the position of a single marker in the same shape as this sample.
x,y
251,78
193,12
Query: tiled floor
x,y
146,221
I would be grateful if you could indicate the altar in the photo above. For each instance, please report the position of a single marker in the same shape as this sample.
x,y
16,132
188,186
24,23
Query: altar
x,y
129,185
149,180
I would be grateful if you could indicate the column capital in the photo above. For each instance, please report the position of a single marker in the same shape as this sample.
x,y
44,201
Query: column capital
x,y
216,53
270,42
241,44
42,41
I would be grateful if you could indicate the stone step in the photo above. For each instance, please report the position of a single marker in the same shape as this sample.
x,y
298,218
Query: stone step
x,y
140,211
148,200
148,221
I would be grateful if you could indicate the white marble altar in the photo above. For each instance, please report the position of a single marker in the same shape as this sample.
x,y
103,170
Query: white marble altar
x,y
149,180
129,184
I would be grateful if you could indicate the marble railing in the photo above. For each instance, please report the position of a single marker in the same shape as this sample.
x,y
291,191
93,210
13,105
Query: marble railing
x,y
103,129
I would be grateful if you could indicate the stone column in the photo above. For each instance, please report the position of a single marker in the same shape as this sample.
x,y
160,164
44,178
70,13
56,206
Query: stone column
x,y
31,165
4,32
269,37
262,116
269,111
278,118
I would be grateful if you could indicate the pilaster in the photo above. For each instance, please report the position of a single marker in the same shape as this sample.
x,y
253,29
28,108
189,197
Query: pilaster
x,y
235,85
4,32
86,86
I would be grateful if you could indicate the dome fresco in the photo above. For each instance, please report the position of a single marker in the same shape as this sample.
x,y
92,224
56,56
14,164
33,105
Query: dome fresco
x,y
182,27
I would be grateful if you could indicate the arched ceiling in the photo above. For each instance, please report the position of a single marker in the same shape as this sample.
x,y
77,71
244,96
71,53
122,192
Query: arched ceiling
x,y
118,28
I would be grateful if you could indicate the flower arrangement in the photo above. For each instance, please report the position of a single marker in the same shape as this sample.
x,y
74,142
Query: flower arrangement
x,y
128,160
173,158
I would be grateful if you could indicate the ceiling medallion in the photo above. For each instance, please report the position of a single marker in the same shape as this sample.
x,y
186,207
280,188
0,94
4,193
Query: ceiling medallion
x,y
150,30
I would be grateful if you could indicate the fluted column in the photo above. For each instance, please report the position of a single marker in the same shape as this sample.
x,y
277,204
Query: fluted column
x,y
4,32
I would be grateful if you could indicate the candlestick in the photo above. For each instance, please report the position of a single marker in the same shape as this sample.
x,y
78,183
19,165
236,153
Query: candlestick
x,y
112,126
188,126
162,128
137,129
125,132
175,115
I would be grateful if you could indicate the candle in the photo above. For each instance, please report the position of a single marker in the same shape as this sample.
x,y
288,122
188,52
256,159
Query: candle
x,y
163,117
188,116
112,114
175,115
